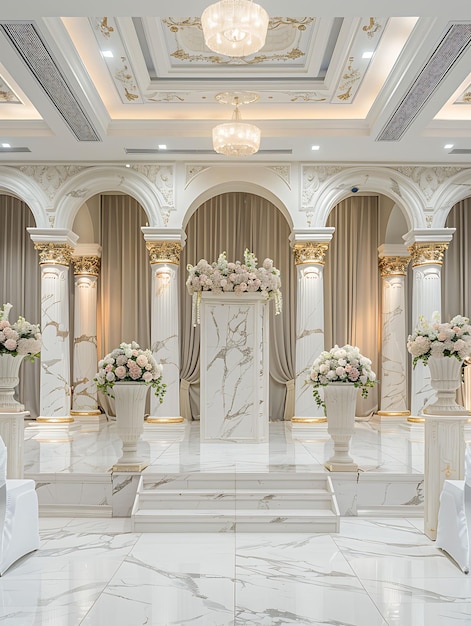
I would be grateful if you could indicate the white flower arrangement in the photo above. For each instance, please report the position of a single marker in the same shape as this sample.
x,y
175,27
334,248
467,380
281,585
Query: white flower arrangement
x,y
341,365
20,338
237,277
437,339
129,363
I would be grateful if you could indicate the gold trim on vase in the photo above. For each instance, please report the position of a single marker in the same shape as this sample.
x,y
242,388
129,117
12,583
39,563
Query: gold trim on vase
x,y
427,253
308,420
310,252
164,252
165,420
86,265
54,253
55,420
393,265
393,413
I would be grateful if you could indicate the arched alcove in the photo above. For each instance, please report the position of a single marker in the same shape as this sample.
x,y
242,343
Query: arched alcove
x,y
456,271
231,222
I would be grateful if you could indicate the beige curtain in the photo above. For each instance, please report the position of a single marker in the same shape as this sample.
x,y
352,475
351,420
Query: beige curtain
x,y
232,222
456,271
20,284
125,278
352,284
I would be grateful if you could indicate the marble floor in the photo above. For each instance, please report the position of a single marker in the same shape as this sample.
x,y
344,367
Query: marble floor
x,y
377,570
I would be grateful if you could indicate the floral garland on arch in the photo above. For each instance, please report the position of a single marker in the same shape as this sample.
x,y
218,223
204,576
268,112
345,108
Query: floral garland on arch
x,y
437,339
20,338
341,365
225,277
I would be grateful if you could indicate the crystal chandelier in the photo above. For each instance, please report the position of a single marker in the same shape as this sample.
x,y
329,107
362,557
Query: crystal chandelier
x,y
236,28
236,138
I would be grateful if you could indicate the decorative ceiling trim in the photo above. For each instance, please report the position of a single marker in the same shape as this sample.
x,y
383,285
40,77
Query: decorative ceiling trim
x,y
27,41
465,97
452,46
7,94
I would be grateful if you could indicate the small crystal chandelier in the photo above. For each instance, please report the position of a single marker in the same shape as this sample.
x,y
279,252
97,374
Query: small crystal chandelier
x,y
236,28
236,138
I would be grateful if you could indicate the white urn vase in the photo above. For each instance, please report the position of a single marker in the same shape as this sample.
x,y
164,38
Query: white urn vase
x,y
340,402
445,375
130,403
9,379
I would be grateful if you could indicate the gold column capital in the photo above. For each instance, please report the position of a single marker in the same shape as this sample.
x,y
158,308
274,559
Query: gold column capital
x,y
393,265
310,252
86,265
427,253
164,252
54,253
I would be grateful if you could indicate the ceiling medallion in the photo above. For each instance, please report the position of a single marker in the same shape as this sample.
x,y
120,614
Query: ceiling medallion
x,y
236,138
236,28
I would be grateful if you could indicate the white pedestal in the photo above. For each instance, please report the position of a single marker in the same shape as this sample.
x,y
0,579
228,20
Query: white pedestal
x,y
444,460
234,367
12,431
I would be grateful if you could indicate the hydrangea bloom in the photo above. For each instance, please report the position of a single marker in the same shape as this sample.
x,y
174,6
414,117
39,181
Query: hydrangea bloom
x,y
239,278
437,339
130,363
19,338
341,365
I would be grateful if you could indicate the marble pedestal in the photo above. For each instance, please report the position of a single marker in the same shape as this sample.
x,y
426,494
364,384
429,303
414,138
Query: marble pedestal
x,y
444,460
12,431
234,367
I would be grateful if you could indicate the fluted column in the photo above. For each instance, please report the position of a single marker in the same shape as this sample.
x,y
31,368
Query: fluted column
x,y
54,258
309,259
427,260
85,357
165,261
393,269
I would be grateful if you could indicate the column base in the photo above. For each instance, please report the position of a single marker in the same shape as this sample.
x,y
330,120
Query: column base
x,y
85,413
341,467
89,417
129,467
308,420
165,428
55,420
165,420
393,413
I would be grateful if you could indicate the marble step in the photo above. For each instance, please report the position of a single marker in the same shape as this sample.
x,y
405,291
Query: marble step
x,y
282,520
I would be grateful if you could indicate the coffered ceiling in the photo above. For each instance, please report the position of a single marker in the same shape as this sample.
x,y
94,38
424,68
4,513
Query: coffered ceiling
x,y
381,82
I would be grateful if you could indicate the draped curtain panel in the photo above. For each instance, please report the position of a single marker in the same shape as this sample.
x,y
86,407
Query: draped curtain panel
x,y
20,284
456,277
352,284
232,222
125,278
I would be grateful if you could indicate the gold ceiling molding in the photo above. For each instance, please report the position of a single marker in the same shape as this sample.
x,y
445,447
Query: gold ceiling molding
x,y
464,97
393,265
164,252
427,253
86,265
54,253
310,252
183,55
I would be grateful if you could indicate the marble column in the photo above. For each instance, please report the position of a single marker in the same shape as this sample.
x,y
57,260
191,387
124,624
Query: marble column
x,y
85,357
427,260
54,259
165,262
394,354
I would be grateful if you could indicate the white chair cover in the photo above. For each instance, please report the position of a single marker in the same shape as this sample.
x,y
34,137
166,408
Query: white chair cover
x,y
19,522
454,518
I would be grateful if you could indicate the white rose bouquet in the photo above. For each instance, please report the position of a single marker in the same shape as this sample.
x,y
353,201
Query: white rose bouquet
x,y
132,364
19,338
341,365
437,339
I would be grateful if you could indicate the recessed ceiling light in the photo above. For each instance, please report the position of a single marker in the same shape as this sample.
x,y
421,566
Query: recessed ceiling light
x,y
315,147
6,145
107,54
162,146
448,146
128,165
367,54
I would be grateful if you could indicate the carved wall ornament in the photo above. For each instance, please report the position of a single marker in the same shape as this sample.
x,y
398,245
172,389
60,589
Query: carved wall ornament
x,y
393,265
54,253
428,179
313,177
193,170
162,176
283,171
427,253
50,177
87,265
164,252
310,252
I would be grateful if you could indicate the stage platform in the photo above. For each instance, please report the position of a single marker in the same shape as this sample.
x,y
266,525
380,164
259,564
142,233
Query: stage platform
x,y
72,467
